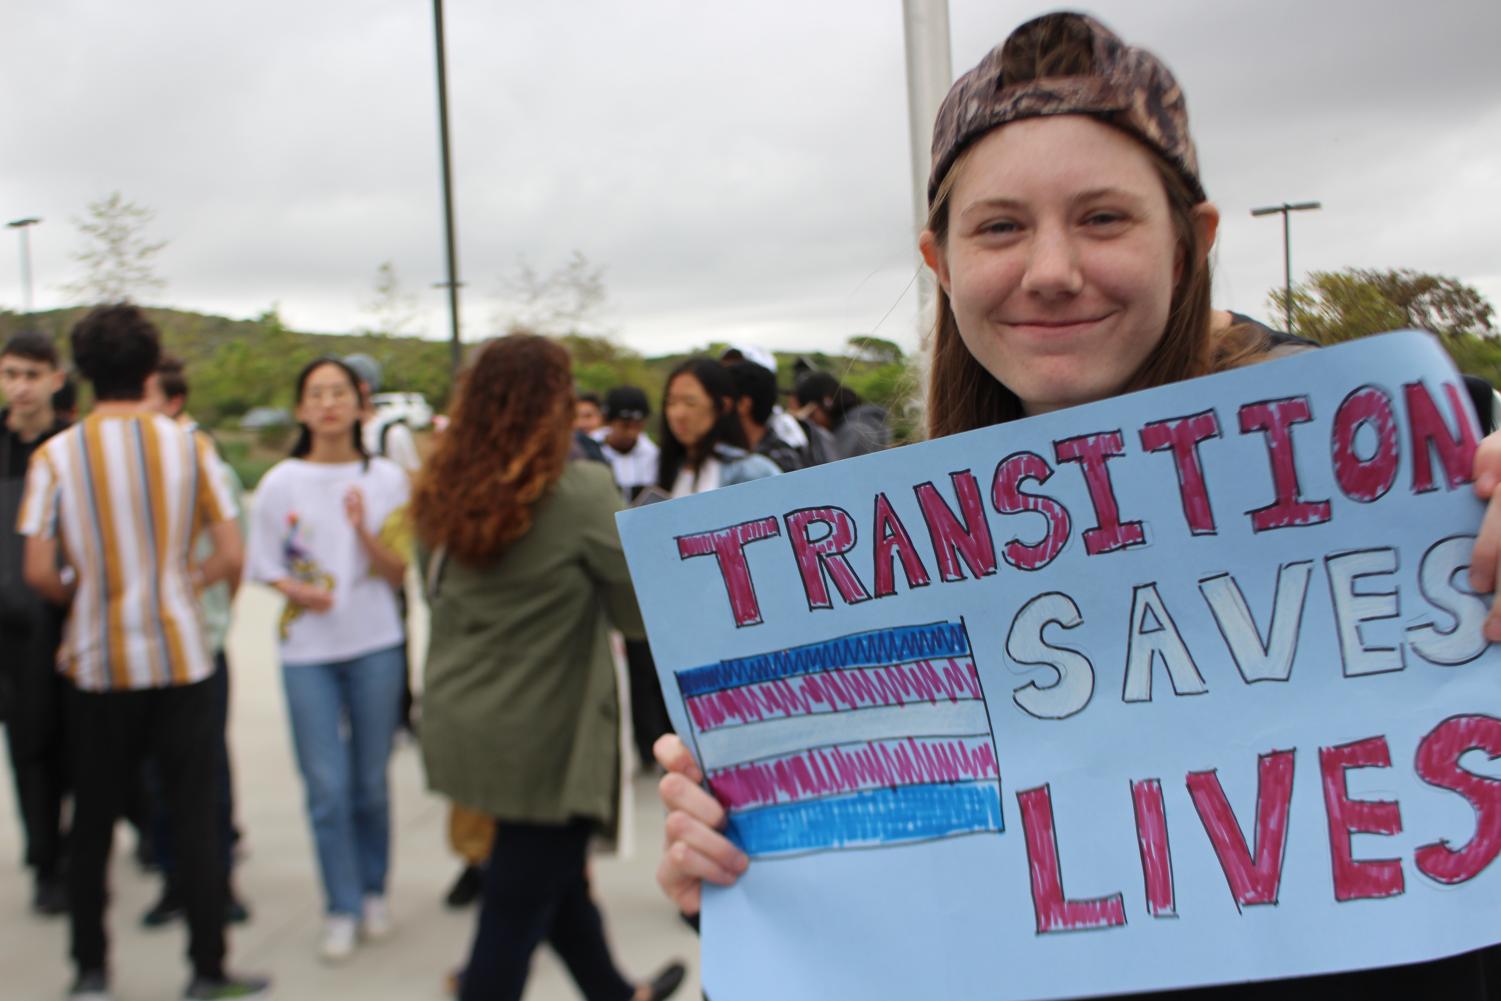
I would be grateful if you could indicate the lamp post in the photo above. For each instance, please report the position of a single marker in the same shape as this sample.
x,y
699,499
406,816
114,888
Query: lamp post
x,y
1287,209
23,225
929,73
452,284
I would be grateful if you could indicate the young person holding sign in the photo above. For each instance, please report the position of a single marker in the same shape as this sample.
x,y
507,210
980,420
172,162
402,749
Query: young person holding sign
x,y
1070,233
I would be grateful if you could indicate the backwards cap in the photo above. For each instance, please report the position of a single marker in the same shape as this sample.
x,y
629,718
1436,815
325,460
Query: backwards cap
x,y
1121,85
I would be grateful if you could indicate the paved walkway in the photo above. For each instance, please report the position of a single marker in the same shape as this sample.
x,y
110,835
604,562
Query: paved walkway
x,y
278,879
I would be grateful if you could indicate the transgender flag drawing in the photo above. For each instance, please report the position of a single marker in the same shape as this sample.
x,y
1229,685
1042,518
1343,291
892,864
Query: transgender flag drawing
x,y
877,738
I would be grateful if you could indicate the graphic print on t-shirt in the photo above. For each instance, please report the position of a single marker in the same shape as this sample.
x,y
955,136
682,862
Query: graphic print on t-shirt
x,y
301,566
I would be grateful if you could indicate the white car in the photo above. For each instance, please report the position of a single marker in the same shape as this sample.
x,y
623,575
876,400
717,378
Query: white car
x,y
411,409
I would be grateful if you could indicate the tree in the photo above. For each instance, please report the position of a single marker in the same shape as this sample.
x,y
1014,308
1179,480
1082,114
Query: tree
x,y
566,300
1333,306
118,260
393,309
875,349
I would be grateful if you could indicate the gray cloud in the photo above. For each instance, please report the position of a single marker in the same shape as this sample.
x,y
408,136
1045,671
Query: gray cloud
x,y
740,172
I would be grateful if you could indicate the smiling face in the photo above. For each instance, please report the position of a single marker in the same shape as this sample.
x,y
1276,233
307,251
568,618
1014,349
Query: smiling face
x,y
330,402
1060,258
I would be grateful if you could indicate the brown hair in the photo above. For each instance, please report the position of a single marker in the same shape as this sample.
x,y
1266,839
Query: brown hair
x,y
172,377
507,445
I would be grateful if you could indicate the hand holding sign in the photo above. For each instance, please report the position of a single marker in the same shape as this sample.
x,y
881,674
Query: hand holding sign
x,y
1487,557
696,852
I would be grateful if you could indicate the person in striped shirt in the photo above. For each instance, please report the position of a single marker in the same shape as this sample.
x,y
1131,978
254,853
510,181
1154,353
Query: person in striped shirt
x,y
111,510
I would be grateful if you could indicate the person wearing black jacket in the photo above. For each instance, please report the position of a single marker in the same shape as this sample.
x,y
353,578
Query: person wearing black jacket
x,y
30,629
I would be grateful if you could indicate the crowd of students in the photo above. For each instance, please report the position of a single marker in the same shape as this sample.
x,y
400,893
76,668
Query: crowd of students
x,y
131,536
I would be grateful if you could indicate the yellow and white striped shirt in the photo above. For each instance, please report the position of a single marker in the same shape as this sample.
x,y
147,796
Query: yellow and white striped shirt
x,y
127,496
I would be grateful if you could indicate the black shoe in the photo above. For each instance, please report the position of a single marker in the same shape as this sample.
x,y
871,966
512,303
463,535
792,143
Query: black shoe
x,y
165,911
667,980
91,985
466,889
50,898
235,911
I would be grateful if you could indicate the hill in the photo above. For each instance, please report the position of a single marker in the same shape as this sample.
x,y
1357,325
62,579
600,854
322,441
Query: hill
x,y
234,365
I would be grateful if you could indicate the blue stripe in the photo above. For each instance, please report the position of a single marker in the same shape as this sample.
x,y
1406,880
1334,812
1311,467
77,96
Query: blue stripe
x,y
869,819
877,648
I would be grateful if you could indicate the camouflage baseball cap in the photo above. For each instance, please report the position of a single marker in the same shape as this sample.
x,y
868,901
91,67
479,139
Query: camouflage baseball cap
x,y
1067,64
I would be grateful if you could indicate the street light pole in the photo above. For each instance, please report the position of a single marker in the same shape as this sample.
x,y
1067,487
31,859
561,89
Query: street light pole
x,y
453,267
1287,209
925,26
23,225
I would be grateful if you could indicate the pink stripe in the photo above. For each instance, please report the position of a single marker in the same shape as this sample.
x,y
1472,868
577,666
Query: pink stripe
x,y
836,691
825,771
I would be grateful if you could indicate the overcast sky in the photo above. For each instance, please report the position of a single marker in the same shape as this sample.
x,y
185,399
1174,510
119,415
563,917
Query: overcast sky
x,y
740,170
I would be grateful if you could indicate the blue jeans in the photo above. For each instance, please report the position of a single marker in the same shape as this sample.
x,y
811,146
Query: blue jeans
x,y
344,717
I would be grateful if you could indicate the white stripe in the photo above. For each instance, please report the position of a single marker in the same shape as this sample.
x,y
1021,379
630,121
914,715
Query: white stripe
x,y
734,744
119,476
85,615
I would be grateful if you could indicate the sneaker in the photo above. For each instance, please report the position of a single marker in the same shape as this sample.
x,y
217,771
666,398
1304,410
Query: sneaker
x,y
375,922
165,911
338,938
50,897
665,982
227,987
466,889
91,985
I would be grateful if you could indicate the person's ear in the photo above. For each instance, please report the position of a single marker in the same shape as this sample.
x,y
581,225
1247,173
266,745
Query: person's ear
x,y
55,381
935,256
1206,225
743,407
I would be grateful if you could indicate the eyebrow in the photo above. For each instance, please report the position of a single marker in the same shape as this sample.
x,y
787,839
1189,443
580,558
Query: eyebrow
x,y
1090,195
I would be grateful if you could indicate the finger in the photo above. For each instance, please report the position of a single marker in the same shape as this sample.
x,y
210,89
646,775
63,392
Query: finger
x,y
683,865
1487,551
717,858
678,793
686,894
1487,467
672,754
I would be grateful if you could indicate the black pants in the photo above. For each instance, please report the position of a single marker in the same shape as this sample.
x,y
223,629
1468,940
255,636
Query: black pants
x,y
536,890
649,718
224,802
111,734
35,733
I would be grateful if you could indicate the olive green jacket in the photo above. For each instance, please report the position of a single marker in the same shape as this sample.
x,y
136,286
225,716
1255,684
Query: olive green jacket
x,y
519,713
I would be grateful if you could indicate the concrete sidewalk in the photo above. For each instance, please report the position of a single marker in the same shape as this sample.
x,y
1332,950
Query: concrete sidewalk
x,y
278,879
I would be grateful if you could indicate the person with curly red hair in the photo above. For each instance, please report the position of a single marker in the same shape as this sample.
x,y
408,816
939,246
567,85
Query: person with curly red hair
x,y
524,576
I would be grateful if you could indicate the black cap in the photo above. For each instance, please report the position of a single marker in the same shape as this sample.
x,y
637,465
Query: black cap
x,y
626,403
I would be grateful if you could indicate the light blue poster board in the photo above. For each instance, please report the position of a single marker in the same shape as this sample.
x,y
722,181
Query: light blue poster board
x,y
1182,688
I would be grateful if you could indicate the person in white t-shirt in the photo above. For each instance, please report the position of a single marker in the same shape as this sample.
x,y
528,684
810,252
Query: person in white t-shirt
x,y
317,537
623,440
